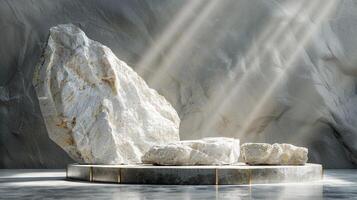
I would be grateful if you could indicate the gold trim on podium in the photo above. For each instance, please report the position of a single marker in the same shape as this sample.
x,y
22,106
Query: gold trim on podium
x,y
91,174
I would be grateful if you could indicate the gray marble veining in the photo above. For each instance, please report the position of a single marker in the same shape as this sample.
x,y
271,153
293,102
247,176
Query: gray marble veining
x,y
239,174
51,184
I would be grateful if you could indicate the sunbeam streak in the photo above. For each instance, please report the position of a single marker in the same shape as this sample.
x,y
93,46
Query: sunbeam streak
x,y
184,42
232,86
182,18
328,8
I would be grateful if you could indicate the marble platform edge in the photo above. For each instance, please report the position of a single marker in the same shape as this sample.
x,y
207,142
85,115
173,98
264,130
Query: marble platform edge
x,y
195,175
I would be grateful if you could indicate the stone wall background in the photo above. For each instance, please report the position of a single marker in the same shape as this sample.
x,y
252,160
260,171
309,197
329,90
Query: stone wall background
x,y
216,70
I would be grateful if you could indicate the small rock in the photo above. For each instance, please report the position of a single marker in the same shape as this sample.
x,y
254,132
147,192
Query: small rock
x,y
275,154
207,151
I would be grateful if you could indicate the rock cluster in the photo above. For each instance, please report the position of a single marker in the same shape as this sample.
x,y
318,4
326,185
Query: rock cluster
x,y
207,151
273,154
95,106
100,111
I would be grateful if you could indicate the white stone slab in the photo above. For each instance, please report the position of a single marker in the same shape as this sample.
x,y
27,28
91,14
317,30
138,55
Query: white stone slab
x,y
273,154
206,151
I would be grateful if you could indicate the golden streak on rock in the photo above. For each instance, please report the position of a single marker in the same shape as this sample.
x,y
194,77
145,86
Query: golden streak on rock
x,y
62,123
110,80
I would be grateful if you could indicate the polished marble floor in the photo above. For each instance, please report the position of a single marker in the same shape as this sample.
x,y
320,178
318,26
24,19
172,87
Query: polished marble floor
x,y
51,184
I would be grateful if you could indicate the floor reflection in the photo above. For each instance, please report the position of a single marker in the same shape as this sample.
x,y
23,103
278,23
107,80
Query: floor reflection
x,y
50,184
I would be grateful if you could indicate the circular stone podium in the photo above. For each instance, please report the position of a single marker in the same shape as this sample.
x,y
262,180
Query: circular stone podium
x,y
240,174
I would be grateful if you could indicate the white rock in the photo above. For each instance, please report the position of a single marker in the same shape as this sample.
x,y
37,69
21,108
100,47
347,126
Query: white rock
x,y
95,106
207,151
275,154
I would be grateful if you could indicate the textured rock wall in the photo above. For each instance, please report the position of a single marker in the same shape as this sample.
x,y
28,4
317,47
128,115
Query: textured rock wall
x,y
263,71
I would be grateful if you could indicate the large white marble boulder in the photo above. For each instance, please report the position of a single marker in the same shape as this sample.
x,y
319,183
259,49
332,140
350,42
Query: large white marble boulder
x,y
206,151
273,154
95,106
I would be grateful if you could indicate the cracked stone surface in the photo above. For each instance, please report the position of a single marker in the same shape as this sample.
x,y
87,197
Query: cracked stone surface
x,y
273,154
95,106
206,151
